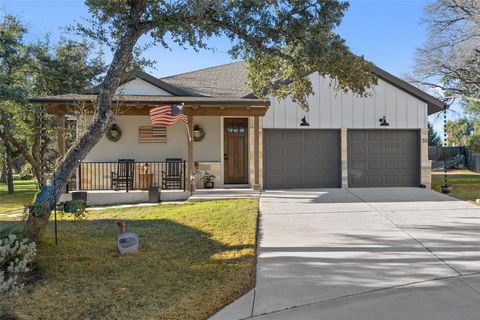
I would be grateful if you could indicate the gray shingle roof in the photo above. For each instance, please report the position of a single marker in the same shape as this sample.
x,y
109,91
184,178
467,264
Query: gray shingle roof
x,y
230,80
227,80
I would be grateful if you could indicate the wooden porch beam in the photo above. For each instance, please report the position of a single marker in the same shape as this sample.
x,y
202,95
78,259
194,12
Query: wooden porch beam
x,y
227,111
190,152
256,153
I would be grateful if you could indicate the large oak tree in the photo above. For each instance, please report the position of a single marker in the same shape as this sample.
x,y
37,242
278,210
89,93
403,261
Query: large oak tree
x,y
282,42
38,68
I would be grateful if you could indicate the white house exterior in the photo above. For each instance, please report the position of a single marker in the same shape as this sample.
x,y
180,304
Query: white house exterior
x,y
262,142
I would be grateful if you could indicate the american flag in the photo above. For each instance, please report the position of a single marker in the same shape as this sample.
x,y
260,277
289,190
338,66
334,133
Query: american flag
x,y
167,115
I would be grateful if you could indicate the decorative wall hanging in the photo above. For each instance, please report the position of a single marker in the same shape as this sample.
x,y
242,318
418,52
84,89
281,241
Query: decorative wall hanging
x,y
114,133
198,133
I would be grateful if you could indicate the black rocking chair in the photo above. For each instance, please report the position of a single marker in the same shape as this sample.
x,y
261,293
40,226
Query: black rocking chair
x,y
172,177
124,177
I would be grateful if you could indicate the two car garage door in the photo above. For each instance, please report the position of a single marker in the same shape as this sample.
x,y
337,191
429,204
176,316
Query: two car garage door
x,y
310,158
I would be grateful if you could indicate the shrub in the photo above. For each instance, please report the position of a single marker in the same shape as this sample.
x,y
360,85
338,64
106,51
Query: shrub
x,y
474,143
16,257
458,162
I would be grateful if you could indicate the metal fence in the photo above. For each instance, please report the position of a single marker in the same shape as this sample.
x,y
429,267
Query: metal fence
x,y
135,176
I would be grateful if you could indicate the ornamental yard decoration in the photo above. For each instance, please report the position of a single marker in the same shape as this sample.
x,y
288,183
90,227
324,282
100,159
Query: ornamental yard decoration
x,y
127,242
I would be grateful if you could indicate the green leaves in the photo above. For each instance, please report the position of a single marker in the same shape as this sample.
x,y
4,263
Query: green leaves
x,y
282,41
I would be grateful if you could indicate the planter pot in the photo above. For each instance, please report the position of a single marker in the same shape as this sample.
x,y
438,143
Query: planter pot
x,y
79,196
154,194
208,184
446,189
69,207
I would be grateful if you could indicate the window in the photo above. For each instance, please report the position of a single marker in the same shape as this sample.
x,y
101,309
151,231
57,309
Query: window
x,y
149,134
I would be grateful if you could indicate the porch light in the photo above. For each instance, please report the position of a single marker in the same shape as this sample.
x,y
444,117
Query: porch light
x,y
383,122
304,122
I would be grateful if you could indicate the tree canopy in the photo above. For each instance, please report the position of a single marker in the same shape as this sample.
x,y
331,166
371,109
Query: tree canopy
x,y
449,62
38,69
281,41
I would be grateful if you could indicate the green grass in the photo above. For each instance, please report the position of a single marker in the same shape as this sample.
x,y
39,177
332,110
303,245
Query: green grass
x,y
194,258
465,184
14,203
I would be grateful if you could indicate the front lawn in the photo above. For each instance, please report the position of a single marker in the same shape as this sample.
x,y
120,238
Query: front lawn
x,y
465,184
15,202
194,258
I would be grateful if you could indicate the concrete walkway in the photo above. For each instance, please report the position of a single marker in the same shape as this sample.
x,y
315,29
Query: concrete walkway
x,y
391,253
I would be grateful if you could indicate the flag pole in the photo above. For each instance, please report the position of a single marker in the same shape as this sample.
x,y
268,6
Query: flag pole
x,y
186,126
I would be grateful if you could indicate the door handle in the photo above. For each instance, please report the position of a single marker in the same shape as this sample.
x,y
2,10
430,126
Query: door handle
x,y
225,156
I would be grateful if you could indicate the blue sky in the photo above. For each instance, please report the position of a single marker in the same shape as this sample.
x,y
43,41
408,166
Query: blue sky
x,y
386,32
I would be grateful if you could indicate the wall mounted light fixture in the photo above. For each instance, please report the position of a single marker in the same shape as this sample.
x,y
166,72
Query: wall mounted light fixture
x,y
304,122
383,122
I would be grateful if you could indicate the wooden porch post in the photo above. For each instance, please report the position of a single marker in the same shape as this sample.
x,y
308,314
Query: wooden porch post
x,y
190,152
256,153
61,134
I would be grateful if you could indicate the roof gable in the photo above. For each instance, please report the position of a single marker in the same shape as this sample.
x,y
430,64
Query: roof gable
x,y
141,87
141,81
231,80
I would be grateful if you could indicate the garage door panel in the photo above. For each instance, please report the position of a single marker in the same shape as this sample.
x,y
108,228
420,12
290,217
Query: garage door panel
x,y
374,179
375,164
310,158
374,151
392,180
392,158
391,164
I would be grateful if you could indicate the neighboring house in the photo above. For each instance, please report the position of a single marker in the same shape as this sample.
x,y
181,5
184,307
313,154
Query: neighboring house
x,y
343,141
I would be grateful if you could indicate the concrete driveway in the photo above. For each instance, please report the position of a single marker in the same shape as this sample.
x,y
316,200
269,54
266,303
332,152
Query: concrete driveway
x,y
391,253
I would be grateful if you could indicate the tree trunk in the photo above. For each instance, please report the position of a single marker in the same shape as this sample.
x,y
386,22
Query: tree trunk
x,y
9,169
3,174
37,169
49,195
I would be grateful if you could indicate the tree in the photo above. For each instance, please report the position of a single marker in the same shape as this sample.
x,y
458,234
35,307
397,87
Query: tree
x,y
458,132
434,139
38,69
449,62
281,41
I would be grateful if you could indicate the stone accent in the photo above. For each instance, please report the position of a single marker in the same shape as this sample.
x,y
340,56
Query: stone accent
x,y
251,158
344,157
214,168
425,164
251,152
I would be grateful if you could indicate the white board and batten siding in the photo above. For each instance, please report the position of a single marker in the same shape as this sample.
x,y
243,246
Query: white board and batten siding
x,y
332,109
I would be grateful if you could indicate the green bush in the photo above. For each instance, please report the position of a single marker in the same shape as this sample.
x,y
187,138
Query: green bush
x,y
473,143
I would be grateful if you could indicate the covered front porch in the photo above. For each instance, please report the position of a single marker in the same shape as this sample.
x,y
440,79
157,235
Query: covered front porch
x,y
232,141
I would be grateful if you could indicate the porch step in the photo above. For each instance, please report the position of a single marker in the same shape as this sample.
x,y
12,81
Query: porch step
x,y
223,194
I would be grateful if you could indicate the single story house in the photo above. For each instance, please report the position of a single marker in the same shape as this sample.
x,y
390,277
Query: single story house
x,y
343,141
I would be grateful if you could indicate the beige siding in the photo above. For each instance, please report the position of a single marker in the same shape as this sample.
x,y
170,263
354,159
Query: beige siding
x,y
207,150
141,87
331,109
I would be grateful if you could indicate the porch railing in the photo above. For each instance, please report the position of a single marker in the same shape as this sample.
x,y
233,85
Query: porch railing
x,y
141,174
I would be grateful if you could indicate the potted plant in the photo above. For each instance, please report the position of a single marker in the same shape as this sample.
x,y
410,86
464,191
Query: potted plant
x,y
208,180
446,189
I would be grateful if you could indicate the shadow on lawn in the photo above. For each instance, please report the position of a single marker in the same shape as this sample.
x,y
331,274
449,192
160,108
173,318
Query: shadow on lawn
x,y
177,266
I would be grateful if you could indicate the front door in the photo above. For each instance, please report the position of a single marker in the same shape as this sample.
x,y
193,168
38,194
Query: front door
x,y
235,150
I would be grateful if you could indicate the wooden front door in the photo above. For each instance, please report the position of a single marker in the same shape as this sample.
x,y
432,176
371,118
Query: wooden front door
x,y
235,150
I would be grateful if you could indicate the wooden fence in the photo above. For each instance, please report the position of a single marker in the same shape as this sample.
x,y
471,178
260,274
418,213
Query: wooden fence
x,y
444,153
472,161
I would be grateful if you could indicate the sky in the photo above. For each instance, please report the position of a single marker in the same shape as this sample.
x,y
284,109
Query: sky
x,y
386,32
